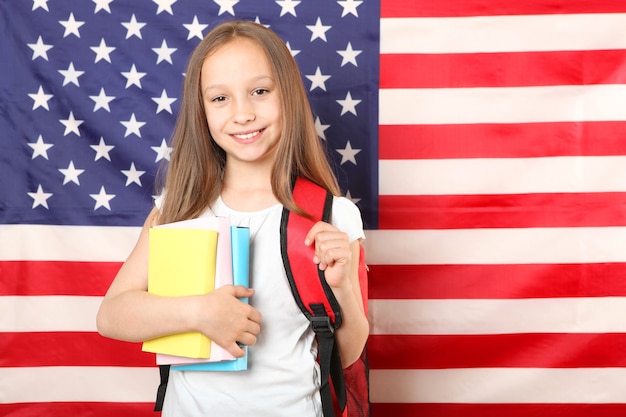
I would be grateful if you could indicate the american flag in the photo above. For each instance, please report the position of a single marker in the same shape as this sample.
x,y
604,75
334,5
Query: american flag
x,y
483,141
498,264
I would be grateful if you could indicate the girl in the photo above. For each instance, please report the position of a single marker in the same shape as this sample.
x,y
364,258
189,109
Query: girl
x,y
245,129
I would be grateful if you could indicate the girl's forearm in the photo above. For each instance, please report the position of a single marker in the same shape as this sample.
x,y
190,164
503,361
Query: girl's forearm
x,y
353,333
136,316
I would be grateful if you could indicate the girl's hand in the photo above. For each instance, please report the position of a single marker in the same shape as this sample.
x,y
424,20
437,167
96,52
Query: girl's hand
x,y
226,320
339,259
332,253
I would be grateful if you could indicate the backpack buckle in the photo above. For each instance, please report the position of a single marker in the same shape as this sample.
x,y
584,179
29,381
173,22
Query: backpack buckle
x,y
322,326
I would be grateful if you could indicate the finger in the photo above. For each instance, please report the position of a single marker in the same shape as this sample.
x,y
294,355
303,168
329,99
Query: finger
x,y
236,350
329,249
332,243
335,256
319,227
242,292
254,316
247,339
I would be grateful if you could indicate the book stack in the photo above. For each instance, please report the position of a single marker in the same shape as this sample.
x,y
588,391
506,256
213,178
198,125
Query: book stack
x,y
194,257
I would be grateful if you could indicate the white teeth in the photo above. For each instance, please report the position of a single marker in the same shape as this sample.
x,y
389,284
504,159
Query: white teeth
x,y
247,135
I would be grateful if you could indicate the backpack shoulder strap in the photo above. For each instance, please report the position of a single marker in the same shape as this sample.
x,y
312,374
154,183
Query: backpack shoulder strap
x,y
305,278
164,372
308,285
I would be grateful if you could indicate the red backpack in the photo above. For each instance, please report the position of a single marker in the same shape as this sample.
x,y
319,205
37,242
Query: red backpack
x,y
344,392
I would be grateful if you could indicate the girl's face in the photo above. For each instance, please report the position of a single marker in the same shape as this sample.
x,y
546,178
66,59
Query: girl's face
x,y
242,103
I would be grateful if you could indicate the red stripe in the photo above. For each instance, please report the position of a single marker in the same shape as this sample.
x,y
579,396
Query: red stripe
x,y
454,8
86,409
56,278
69,349
497,410
502,210
501,140
496,281
536,350
506,69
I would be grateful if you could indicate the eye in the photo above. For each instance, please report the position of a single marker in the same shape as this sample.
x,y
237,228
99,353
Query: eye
x,y
260,91
218,99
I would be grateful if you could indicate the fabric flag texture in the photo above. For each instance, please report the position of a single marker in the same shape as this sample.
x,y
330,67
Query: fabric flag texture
x,y
485,143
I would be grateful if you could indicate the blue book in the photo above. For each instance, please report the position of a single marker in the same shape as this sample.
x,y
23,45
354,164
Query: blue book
x,y
240,242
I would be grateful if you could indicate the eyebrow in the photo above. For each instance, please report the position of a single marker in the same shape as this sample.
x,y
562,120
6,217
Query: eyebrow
x,y
256,79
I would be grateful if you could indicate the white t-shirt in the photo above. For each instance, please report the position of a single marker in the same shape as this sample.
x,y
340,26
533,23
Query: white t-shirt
x,y
283,376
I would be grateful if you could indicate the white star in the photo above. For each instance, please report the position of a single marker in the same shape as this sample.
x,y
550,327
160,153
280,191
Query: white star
x,y
40,148
164,102
40,198
348,154
195,28
318,30
132,175
226,6
40,49
320,128
258,22
71,174
102,101
70,75
164,6
287,6
102,51
294,52
349,55
40,99
71,125
353,199
102,199
348,105
318,80
163,151
133,77
133,28
40,3
349,6
102,150
133,126
102,5
71,26
164,53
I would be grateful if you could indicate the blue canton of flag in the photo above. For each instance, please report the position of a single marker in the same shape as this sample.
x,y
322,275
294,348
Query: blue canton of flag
x,y
90,92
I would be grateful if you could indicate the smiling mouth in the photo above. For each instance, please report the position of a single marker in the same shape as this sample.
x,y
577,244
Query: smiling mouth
x,y
244,136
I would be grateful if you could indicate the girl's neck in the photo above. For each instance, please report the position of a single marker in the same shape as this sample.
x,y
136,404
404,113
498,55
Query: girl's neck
x,y
245,189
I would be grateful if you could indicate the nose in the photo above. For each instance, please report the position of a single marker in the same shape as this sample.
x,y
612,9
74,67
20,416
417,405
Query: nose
x,y
244,111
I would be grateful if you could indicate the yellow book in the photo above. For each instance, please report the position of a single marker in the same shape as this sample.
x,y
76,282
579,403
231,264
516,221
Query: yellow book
x,y
181,262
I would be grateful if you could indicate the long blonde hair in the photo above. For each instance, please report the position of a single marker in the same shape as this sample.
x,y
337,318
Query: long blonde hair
x,y
195,171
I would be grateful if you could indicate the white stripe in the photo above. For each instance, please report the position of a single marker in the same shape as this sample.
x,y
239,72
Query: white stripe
x,y
472,386
457,246
551,315
566,32
561,174
600,102
79,384
595,315
496,246
48,313
465,317
500,386
66,243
